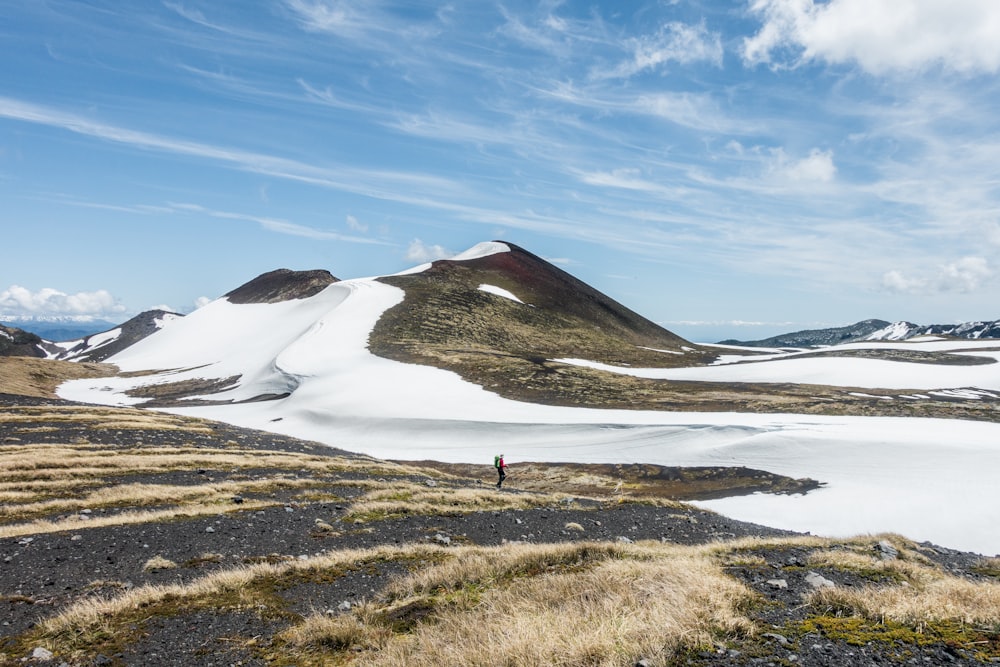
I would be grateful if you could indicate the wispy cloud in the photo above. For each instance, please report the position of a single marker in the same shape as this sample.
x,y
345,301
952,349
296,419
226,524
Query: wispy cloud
x,y
377,184
277,225
674,42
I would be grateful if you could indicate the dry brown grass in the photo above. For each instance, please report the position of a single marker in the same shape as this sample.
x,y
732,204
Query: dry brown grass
x,y
70,631
159,563
592,604
26,376
43,480
939,597
533,605
402,498
77,522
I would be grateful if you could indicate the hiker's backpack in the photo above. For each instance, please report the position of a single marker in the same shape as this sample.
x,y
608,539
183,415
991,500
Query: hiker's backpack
x,y
496,461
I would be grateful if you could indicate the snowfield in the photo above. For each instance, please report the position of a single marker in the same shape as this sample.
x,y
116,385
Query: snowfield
x,y
838,371
928,479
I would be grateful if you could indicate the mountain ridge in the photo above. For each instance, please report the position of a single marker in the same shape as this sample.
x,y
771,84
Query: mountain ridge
x,y
874,330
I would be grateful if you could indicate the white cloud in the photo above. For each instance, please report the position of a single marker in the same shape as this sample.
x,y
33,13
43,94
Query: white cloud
x,y
354,225
420,252
340,17
22,302
967,274
880,36
817,167
675,42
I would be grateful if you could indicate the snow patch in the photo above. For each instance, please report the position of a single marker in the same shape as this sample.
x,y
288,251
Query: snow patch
x,y
499,291
481,250
97,340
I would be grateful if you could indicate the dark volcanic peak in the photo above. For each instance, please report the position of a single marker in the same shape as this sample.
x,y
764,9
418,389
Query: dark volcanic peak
x,y
99,347
16,342
282,285
811,337
546,286
450,320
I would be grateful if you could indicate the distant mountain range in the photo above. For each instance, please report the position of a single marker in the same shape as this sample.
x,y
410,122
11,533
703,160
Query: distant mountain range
x,y
96,347
58,328
873,330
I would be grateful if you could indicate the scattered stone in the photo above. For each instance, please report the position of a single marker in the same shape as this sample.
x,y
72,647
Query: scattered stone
x,y
344,606
781,639
238,500
42,653
431,483
624,540
643,663
818,581
442,539
886,551
210,530
777,583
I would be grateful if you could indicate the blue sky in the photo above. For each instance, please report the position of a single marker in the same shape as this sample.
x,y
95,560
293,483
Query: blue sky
x,y
724,168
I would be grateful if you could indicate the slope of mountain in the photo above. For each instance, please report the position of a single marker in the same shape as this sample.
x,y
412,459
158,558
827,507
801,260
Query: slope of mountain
x,y
874,330
500,319
814,337
16,342
60,328
281,285
100,346
907,330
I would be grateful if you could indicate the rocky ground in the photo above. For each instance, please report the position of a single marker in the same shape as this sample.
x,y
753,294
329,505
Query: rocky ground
x,y
44,571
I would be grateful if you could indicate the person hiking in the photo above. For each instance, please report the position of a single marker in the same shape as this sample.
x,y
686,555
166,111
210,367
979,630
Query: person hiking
x,y
501,469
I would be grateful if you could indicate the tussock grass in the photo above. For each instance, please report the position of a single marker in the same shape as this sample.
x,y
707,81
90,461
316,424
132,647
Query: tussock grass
x,y
534,605
139,495
582,603
95,621
860,557
40,480
159,563
594,604
940,598
75,522
403,498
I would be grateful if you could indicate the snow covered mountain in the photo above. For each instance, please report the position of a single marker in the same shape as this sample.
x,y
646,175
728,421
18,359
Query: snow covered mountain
x,y
816,337
16,342
908,330
53,328
873,330
497,351
101,346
